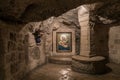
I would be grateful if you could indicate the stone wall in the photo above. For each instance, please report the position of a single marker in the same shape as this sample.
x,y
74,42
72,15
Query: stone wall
x,y
107,41
106,38
12,50
101,40
69,20
2,74
19,52
36,52
114,43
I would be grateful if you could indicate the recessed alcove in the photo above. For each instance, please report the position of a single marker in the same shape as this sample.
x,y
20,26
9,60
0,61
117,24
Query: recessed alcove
x,y
64,41
63,45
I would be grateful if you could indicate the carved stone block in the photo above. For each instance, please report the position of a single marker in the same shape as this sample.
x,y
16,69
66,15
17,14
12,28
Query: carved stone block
x,y
94,65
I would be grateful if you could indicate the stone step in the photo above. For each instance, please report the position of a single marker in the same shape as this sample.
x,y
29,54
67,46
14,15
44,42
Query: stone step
x,y
60,60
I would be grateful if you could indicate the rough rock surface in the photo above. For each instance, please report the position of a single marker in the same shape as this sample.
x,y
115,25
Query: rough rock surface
x,y
17,55
29,10
70,19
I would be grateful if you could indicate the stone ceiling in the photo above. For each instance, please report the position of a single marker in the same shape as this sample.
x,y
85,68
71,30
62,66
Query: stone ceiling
x,y
36,10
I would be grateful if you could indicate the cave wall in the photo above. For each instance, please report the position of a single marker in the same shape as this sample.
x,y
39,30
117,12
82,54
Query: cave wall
x,y
36,10
36,52
13,52
71,39
69,20
2,74
101,40
106,36
19,53
107,41
114,43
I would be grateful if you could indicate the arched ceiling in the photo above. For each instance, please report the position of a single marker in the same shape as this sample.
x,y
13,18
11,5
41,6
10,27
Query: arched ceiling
x,y
36,10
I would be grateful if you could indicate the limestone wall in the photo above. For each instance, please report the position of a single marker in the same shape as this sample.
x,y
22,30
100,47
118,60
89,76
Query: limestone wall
x,y
36,52
1,58
19,53
114,44
107,41
68,20
101,40
12,51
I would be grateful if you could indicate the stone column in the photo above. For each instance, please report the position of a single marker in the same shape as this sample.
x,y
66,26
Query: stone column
x,y
87,43
87,61
85,36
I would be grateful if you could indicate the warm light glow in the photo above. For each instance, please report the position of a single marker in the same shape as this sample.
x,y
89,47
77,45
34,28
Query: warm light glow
x,y
63,72
82,10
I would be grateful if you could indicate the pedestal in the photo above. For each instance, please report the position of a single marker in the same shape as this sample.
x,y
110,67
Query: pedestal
x,y
93,65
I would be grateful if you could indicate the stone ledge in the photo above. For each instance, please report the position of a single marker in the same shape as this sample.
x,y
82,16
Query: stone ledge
x,y
94,65
88,59
60,60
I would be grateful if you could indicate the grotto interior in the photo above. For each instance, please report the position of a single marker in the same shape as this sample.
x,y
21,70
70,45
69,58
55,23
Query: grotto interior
x,y
59,40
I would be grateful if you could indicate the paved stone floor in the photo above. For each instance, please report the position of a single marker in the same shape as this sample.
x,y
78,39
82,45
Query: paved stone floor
x,y
64,72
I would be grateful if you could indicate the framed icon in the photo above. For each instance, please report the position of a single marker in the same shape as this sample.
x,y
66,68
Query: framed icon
x,y
64,42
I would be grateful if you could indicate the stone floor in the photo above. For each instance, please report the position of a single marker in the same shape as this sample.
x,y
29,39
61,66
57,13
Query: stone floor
x,y
64,72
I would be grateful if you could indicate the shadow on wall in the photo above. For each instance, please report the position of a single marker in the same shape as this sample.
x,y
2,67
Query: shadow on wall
x,y
101,40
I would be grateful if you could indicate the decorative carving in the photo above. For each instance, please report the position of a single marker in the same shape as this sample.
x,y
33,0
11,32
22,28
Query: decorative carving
x,y
35,54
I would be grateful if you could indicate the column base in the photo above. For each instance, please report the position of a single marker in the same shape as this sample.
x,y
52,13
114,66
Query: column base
x,y
90,65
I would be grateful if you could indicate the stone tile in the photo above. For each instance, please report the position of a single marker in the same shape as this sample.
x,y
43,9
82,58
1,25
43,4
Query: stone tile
x,y
64,72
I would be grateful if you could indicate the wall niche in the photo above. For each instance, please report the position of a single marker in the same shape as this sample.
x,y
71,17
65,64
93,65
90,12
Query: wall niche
x,y
64,41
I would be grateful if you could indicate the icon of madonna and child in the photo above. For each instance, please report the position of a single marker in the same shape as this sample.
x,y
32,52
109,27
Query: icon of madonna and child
x,y
64,42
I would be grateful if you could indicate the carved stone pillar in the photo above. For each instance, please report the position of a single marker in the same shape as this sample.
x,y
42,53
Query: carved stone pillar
x,y
87,61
